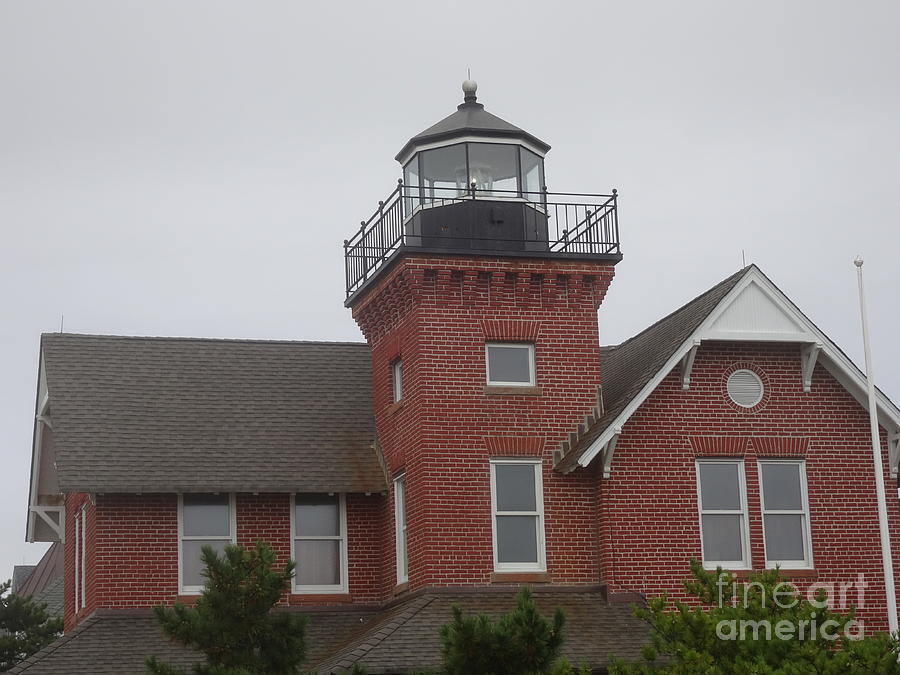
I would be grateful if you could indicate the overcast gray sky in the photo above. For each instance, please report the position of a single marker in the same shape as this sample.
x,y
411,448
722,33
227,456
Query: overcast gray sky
x,y
191,168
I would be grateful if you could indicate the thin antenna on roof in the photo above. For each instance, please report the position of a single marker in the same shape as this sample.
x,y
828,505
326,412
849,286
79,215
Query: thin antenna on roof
x,y
62,321
743,259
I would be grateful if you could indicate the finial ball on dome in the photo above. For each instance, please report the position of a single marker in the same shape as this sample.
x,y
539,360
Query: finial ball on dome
x,y
469,87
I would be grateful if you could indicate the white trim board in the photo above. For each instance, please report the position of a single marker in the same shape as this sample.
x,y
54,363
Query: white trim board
x,y
44,480
755,310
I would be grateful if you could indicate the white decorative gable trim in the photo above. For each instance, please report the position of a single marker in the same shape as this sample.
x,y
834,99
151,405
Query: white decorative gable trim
x,y
752,313
46,515
756,310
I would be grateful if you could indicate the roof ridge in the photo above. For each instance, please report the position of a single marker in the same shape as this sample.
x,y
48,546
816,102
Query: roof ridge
x,y
415,606
687,304
88,623
177,338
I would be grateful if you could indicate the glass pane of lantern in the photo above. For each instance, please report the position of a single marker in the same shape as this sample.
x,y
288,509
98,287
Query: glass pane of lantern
x,y
494,168
444,172
411,184
532,175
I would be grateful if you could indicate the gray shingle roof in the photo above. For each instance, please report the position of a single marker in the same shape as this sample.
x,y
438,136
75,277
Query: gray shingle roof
x,y
45,582
134,414
406,638
53,596
20,576
117,642
403,638
627,368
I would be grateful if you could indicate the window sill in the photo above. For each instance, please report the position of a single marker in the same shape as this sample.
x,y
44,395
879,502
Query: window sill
x,y
785,573
521,578
319,598
496,390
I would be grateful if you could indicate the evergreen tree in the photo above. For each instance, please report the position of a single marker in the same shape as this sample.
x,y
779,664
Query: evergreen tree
x,y
232,622
521,643
734,631
25,627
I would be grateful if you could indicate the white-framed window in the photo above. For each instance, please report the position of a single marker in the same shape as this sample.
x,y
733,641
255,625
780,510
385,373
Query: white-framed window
x,y
80,550
204,519
397,379
510,364
319,526
517,504
400,531
722,500
785,513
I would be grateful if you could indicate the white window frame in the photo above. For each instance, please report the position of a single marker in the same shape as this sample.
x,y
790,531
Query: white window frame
x,y
397,380
76,543
807,562
232,524
402,545
80,556
541,564
344,554
532,380
743,513
83,554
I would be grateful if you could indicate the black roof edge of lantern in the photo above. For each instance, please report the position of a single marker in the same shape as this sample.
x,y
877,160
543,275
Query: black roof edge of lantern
x,y
470,119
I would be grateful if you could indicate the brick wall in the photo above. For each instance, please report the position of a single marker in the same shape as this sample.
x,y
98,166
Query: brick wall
x,y
133,548
649,517
436,313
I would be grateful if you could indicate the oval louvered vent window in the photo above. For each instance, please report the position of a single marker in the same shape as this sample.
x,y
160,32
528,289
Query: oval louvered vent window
x,y
745,388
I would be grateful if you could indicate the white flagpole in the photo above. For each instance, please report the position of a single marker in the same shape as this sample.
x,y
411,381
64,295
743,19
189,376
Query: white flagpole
x,y
886,558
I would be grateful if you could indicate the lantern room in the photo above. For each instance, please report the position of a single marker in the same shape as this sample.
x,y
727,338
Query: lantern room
x,y
472,151
474,184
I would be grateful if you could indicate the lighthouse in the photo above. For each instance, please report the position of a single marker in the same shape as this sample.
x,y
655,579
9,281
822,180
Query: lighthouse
x,y
478,291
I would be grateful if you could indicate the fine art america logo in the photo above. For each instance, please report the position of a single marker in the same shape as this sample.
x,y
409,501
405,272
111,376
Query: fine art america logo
x,y
784,596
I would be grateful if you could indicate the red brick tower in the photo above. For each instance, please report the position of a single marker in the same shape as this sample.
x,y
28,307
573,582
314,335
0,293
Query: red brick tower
x,y
478,292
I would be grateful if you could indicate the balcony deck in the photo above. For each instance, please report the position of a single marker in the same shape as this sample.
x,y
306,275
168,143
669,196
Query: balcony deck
x,y
474,222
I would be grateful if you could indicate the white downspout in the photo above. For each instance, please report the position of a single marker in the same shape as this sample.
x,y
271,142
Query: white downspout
x,y
886,559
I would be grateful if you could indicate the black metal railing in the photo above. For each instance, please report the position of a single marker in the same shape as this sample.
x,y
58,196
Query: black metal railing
x,y
560,224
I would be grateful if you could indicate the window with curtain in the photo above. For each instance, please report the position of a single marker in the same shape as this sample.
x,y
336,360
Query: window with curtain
x,y
320,543
785,513
723,513
518,514
204,520
400,524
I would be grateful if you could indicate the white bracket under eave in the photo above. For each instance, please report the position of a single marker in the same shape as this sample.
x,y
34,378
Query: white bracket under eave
x,y
808,357
608,451
56,524
894,451
687,365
